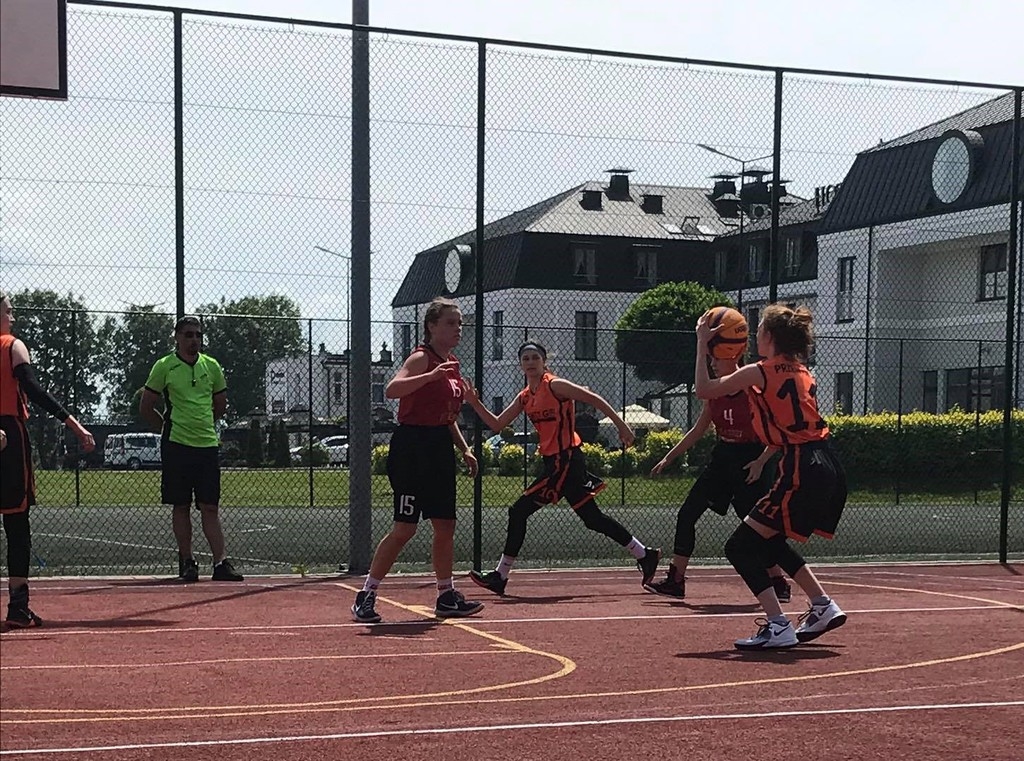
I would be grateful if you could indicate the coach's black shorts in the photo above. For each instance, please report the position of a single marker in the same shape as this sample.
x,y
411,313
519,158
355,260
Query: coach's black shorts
x,y
808,495
17,482
188,471
421,469
724,481
566,475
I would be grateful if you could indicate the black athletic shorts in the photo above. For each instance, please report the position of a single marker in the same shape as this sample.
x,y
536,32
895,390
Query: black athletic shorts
x,y
188,471
566,475
724,481
808,495
17,481
421,469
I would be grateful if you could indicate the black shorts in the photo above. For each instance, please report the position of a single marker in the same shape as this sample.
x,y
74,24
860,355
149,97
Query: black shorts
x,y
566,475
187,471
17,481
724,481
421,469
808,495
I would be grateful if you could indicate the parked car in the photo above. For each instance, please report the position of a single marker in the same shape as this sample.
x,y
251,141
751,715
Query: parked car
x,y
132,450
336,447
525,440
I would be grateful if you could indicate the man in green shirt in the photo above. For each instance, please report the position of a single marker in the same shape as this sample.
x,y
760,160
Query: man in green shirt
x,y
194,395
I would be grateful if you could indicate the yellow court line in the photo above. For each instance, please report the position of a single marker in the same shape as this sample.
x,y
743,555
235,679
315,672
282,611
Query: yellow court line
x,y
998,603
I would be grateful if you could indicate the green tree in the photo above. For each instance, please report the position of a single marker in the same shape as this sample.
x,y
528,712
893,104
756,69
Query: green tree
x,y
243,335
133,343
279,445
62,341
655,335
254,445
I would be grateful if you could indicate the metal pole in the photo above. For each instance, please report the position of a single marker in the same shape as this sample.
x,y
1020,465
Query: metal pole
x,y
867,319
744,263
1012,249
74,405
622,459
899,422
478,270
179,173
773,256
309,405
360,525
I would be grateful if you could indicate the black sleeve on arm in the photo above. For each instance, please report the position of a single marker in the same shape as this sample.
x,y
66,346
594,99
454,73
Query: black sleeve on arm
x,y
27,380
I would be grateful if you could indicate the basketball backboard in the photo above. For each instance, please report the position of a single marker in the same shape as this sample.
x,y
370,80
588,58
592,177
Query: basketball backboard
x,y
33,48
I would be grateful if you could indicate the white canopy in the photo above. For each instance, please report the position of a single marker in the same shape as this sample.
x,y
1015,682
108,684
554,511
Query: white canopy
x,y
638,417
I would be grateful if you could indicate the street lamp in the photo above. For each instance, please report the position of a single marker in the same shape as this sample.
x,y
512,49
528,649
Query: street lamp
x,y
743,173
348,331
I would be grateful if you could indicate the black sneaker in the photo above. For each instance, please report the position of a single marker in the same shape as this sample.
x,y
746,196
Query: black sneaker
x,y
188,570
782,589
452,604
648,565
19,615
492,581
224,571
363,611
670,586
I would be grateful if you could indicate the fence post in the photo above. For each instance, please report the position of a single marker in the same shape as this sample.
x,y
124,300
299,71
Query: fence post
x,y
478,266
899,421
179,173
977,415
867,321
309,416
773,255
622,459
74,406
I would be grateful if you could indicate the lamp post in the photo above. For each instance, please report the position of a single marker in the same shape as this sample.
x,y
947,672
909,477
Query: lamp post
x,y
348,332
743,171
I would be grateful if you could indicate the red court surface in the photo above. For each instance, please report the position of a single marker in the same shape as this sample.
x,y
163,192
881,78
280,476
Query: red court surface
x,y
573,664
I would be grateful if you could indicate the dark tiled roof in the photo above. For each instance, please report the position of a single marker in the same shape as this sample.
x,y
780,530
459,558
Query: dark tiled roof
x,y
794,214
990,112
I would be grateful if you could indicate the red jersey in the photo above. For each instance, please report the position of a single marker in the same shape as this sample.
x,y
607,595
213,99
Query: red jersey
x,y
437,402
12,398
784,406
554,418
733,419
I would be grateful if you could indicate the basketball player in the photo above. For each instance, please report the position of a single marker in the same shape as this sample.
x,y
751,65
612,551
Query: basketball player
x,y
550,403
809,492
421,461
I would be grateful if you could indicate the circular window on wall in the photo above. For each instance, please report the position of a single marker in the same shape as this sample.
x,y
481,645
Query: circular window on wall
x,y
954,164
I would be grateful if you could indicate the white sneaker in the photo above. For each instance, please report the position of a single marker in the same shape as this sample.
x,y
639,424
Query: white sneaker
x,y
769,635
819,619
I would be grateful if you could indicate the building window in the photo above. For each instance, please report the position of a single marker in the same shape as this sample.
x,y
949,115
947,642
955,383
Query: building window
x,y
277,406
844,394
377,392
992,272
721,267
497,404
791,257
844,294
753,315
586,335
406,340
930,391
975,389
645,265
498,342
755,262
339,384
584,264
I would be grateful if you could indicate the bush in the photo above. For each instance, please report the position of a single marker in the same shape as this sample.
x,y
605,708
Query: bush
x,y
280,455
597,458
254,445
314,453
510,460
623,462
379,460
656,446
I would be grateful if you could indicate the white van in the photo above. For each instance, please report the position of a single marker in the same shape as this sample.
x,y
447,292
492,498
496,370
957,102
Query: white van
x,y
132,450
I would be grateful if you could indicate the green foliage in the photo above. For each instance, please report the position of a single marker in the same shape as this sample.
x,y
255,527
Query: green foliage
x,y
315,454
131,344
596,457
655,333
243,335
623,462
510,460
656,446
279,453
379,460
254,445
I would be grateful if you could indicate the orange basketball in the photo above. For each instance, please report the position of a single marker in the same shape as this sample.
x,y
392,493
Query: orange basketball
x,y
731,341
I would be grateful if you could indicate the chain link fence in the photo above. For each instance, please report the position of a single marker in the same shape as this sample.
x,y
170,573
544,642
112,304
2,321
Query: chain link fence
x,y
203,164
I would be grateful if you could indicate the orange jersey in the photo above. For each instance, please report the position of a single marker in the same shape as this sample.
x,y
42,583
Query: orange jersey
x,y
784,406
12,398
554,418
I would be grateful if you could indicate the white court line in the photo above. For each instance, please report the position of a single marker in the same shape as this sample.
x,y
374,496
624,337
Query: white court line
x,y
514,727
1013,582
50,633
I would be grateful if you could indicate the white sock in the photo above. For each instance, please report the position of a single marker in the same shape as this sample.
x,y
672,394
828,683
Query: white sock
x,y
371,584
505,566
445,585
636,548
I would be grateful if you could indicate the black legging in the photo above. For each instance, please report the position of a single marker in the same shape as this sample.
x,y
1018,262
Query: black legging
x,y
588,512
19,543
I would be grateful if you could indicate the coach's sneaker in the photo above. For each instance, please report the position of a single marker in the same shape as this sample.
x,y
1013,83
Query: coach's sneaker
x,y
19,615
224,571
770,635
819,619
782,589
363,611
673,585
452,604
188,570
648,565
492,581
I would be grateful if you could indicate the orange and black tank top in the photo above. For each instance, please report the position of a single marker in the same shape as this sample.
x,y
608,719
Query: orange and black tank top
x,y
784,406
437,402
554,418
12,398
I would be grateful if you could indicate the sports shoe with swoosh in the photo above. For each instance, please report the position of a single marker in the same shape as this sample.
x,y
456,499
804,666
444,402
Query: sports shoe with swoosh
x,y
770,635
452,604
363,611
819,619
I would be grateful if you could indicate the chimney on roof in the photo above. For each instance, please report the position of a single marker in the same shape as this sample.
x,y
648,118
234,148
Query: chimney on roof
x,y
618,185
652,203
591,200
